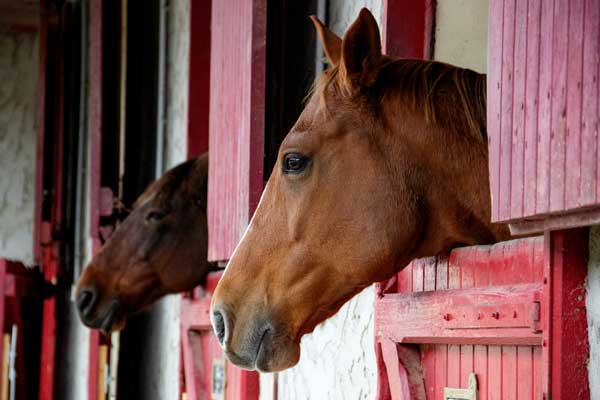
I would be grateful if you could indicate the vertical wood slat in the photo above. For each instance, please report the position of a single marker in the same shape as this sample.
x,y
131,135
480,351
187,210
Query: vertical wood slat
x,y
509,373
494,94
591,105
560,44
545,94
519,99
574,102
506,105
543,88
534,15
494,384
236,123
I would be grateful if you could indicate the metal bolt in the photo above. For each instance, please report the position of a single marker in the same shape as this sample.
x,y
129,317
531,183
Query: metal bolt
x,y
447,317
496,315
514,314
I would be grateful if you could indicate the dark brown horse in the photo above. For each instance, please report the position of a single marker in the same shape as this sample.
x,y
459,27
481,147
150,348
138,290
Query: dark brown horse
x,y
159,248
387,163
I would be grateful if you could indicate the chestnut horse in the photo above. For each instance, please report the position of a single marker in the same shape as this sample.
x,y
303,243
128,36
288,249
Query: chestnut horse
x,y
159,248
387,163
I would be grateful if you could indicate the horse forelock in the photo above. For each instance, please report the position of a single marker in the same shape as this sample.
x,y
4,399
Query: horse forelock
x,y
445,95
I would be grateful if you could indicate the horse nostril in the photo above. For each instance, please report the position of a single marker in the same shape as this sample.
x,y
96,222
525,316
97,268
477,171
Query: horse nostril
x,y
85,301
218,322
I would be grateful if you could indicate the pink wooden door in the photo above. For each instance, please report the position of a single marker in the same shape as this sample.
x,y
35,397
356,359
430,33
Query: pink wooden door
x,y
506,313
236,123
543,108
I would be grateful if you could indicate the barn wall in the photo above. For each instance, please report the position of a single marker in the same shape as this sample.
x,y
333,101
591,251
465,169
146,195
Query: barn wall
x,y
162,369
18,101
461,33
593,310
337,361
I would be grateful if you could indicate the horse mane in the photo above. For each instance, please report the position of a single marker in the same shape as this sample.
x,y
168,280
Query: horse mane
x,y
445,95
164,188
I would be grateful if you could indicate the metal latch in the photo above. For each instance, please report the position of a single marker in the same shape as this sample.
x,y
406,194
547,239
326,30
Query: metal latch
x,y
535,316
463,394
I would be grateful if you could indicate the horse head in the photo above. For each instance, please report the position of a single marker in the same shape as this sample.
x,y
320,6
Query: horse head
x,y
159,248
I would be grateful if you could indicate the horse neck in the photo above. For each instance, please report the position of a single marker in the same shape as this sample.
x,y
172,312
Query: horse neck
x,y
450,177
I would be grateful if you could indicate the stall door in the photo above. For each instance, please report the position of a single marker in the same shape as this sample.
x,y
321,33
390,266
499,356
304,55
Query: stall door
x,y
497,320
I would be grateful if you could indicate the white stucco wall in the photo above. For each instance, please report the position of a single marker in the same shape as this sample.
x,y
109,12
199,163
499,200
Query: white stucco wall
x,y
593,311
18,102
338,358
461,33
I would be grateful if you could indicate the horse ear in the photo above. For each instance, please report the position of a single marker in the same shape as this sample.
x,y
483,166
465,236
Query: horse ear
x,y
332,44
361,51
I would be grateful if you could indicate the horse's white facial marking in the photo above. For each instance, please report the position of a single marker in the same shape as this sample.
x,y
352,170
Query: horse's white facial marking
x,y
262,196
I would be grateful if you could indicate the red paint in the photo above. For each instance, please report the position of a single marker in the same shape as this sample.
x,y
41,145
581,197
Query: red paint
x,y
50,132
201,348
407,28
455,315
237,104
568,340
543,92
485,322
199,80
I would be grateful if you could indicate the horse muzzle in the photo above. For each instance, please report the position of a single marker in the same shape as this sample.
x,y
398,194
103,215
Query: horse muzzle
x,y
261,347
95,315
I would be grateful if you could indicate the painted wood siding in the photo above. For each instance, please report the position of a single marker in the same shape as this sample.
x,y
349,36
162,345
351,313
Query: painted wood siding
x,y
236,123
441,292
543,107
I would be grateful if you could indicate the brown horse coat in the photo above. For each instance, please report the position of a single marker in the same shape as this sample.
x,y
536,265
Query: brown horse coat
x,y
159,248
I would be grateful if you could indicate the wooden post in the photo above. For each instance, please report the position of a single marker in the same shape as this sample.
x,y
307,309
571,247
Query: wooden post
x,y
568,339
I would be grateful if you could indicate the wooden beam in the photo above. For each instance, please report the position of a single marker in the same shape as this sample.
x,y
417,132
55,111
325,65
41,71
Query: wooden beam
x,y
488,315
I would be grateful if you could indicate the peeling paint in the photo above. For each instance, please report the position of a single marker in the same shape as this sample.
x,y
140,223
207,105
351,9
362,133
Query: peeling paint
x,y
593,312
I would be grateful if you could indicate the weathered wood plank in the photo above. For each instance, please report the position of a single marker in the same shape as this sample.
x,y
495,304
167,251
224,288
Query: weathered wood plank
x,y
236,123
575,81
499,314
534,15
507,109
590,106
519,99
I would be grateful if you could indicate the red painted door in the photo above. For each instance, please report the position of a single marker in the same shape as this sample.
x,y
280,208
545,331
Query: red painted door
x,y
543,108
511,314
236,123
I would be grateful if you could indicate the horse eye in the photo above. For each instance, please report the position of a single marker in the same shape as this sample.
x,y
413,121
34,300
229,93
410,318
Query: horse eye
x,y
294,163
155,216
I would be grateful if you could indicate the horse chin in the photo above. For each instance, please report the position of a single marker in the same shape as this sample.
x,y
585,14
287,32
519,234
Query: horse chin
x,y
269,354
275,358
